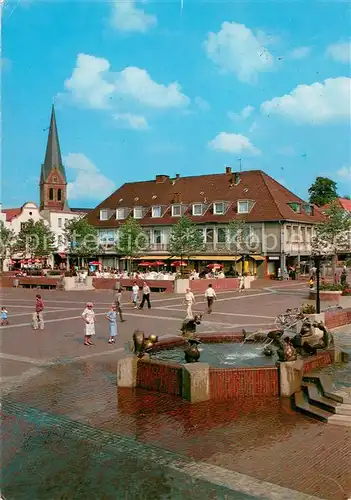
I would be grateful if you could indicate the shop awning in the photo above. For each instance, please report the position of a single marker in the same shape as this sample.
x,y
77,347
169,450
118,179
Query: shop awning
x,y
219,258
257,257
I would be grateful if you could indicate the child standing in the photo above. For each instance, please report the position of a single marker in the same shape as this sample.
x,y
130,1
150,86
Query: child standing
x,y
311,282
111,316
4,316
241,283
89,317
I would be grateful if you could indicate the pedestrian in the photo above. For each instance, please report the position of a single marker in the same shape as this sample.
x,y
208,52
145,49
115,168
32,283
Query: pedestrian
x,y
89,317
118,302
311,282
4,316
135,293
38,315
280,274
146,296
241,283
210,295
111,316
189,301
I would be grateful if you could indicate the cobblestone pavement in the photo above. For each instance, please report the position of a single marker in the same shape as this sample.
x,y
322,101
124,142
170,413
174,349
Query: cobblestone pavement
x,y
68,433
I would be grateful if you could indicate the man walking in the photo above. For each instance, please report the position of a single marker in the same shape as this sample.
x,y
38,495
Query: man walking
x,y
146,296
118,301
38,318
189,301
210,295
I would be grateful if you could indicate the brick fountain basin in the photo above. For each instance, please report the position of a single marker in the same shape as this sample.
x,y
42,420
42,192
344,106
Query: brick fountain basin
x,y
227,369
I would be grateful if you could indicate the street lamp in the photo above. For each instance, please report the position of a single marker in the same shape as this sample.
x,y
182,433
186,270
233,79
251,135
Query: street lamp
x,y
317,260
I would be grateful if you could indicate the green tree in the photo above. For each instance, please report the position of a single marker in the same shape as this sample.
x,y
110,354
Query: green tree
x,y
132,240
81,238
35,240
7,238
185,239
322,191
333,235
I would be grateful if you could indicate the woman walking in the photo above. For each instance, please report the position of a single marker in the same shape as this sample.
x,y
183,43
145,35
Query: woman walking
x,y
111,316
89,317
146,296
135,293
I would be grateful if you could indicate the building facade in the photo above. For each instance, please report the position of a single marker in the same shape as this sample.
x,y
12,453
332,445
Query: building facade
x,y
277,228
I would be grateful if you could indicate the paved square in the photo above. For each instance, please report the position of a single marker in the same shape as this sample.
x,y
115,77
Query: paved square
x,y
59,392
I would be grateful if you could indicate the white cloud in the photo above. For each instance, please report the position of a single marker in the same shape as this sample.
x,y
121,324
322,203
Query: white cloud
x,y
317,103
345,173
232,143
244,113
90,183
94,85
300,52
87,84
136,84
340,52
236,49
137,122
201,104
127,17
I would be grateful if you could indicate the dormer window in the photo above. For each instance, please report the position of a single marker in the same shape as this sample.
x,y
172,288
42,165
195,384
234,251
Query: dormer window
x,y
296,207
120,213
104,214
176,210
243,207
197,209
138,213
156,211
218,208
308,209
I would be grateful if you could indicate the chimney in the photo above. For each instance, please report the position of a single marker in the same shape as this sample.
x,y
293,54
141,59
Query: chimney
x,y
177,198
236,178
177,176
161,178
228,170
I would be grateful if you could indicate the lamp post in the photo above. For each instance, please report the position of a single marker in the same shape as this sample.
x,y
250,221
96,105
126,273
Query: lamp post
x,y
317,260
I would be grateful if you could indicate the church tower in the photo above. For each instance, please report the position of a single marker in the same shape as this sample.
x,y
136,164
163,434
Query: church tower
x,y
53,183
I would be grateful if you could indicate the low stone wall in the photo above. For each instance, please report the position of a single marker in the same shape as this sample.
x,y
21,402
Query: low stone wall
x,y
325,296
29,282
223,284
228,383
320,360
110,284
334,319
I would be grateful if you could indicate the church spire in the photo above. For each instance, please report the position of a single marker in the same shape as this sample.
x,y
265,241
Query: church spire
x,y
53,153
53,183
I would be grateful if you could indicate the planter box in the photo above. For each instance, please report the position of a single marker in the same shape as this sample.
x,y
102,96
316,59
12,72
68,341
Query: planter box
x,y
326,295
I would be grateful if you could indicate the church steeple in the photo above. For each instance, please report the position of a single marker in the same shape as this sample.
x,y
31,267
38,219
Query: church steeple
x,y
53,181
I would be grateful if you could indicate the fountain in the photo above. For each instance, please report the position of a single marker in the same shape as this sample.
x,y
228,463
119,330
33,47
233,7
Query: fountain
x,y
228,365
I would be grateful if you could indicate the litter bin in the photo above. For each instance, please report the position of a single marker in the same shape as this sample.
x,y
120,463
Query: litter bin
x,y
16,283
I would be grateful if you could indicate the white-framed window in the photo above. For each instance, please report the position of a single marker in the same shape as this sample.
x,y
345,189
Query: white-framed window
x,y
218,208
197,209
120,213
59,222
243,207
157,236
103,214
176,210
156,211
138,213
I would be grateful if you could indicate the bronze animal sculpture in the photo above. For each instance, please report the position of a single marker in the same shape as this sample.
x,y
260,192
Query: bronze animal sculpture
x,y
189,325
307,342
268,351
191,351
143,344
285,349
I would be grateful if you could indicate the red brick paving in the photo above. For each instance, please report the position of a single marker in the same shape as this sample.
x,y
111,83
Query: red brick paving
x,y
256,437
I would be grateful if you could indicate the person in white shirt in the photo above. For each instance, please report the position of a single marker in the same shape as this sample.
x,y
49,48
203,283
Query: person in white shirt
x,y
135,293
241,283
210,295
189,301
146,296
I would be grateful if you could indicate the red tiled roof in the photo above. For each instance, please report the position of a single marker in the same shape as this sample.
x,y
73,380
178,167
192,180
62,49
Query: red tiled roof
x,y
270,199
342,202
11,213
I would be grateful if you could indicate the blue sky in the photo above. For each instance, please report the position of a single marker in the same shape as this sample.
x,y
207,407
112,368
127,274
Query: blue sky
x,y
167,87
